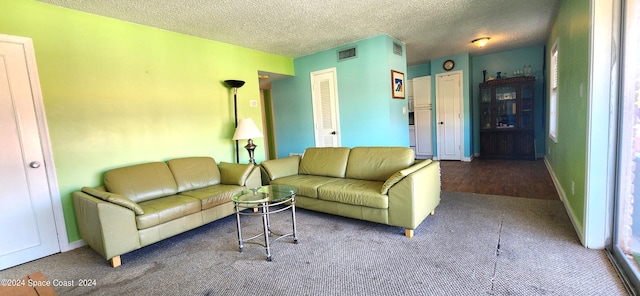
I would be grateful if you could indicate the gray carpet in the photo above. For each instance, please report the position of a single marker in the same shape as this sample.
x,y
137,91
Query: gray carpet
x,y
474,245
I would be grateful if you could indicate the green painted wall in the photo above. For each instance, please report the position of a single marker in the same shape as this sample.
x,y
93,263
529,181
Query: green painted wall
x,y
269,129
368,115
567,157
117,93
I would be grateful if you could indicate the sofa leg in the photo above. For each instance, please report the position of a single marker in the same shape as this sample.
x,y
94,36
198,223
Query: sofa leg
x,y
432,212
408,232
115,261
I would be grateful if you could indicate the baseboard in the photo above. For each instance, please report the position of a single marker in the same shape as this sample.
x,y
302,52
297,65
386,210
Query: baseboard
x,y
563,197
465,159
71,246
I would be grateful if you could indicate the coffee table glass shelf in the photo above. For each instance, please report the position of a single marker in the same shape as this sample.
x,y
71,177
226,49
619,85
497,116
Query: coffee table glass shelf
x,y
264,201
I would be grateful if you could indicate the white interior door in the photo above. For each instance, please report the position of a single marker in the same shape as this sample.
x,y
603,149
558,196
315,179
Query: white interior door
x,y
422,116
325,108
449,113
26,215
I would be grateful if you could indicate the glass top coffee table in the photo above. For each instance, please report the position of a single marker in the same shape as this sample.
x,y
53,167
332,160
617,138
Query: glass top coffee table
x,y
265,200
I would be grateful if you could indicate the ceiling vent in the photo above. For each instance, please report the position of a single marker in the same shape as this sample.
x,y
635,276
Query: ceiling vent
x,y
397,49
348,53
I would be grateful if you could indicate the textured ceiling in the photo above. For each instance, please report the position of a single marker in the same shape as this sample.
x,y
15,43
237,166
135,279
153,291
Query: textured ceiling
x,y
294,28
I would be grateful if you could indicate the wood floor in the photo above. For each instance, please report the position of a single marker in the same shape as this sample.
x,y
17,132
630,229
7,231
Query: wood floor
x,y
519,178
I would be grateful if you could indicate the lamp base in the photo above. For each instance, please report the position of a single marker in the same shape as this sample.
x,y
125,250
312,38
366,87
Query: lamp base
x,y
250,148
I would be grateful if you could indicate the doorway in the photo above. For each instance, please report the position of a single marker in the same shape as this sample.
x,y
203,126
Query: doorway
x,y
268,121
449,115
29,186
324,95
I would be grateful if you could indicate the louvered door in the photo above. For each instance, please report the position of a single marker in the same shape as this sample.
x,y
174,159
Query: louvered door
x,y
325,108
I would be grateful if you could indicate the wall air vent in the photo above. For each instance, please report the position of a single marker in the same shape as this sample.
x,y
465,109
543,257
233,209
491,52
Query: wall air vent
x,y
348,53
397,49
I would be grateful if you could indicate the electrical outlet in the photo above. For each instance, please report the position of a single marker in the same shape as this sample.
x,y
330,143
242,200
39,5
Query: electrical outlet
x,y
253,103
404,110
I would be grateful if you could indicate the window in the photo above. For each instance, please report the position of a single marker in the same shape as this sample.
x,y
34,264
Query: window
x,y
553,96
626,245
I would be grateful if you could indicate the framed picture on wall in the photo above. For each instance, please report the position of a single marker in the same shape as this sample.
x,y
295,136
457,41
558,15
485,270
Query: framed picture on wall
x,y
397,84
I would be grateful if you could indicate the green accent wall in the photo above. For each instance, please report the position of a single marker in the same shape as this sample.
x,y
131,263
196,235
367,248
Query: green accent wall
x,y
367,113
567,157
268,130
117,93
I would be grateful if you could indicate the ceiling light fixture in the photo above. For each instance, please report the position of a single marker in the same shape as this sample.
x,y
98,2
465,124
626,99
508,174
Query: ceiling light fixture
x,y
480,42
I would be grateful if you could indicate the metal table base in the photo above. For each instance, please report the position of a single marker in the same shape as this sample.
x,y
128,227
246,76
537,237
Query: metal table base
x,y
265,209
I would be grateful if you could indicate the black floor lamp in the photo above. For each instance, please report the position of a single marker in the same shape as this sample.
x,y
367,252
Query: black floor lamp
x,y
235,84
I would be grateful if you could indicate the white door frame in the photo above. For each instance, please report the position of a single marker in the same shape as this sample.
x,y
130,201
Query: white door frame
x,y
54,191
316,112
439,134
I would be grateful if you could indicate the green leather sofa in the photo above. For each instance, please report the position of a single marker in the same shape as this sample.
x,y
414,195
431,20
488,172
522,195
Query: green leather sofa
x,y
378,184
145,203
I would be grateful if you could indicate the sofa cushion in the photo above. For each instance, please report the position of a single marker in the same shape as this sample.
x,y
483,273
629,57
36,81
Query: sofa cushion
x,y
194,172
141,182
307,185
354,192
399,175
234,173
160,210
378,163
326,161
281,167
115,198
213,195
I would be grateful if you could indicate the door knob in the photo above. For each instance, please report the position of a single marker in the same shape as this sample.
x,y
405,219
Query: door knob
x,y
333,132
441,122
34,164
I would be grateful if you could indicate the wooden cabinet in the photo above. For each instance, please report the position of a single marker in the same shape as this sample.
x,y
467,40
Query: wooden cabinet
x,y
506,118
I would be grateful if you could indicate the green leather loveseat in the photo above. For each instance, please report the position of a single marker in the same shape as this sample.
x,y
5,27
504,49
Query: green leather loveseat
x,y
145,203
378,184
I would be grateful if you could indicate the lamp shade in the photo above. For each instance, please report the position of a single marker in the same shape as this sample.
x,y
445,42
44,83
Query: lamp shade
x,y
247,129
234,83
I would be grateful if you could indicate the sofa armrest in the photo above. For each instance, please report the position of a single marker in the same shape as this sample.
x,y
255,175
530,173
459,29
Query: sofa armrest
x,y
115,198
281,167
235,173
414,197
399,175
109,229
255,178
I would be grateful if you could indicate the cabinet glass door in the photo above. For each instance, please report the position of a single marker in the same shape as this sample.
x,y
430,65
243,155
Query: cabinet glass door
x,y
506,107
485,108
526,111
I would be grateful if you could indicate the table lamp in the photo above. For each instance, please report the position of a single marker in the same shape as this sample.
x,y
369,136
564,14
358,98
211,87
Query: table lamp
x,y
248,130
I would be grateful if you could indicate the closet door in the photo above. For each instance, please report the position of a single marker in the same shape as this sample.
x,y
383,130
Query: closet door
x,y
423,131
